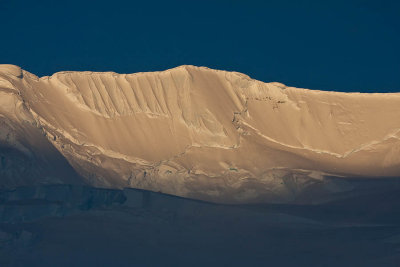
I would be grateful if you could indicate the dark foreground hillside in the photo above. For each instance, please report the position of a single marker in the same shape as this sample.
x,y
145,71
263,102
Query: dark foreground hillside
x,y
82,226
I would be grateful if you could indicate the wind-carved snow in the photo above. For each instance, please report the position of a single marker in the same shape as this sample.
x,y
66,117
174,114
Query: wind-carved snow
x,y
200,133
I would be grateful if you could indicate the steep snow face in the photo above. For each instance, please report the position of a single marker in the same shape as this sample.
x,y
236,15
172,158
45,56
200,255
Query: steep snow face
x,y
201,133
26,155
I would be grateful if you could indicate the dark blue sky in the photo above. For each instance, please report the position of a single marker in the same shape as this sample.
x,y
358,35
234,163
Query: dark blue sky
x,y
338,45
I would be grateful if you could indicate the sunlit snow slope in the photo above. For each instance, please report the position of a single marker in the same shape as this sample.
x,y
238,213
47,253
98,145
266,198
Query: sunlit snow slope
x,y
194,132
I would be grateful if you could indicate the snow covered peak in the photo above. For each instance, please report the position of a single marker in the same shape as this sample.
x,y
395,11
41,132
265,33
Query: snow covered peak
x,y
200,133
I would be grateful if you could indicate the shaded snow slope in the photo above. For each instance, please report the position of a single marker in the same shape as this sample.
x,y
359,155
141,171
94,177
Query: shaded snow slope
x,y
199,133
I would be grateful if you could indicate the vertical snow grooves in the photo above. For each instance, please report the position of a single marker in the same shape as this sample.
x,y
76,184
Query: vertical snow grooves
x,y
155,100
178,99
98,96
120,95
184,100
74,90
125,93
95,95
165,96
103,92
141,98
131,94
116,101
160,95
86,92
112,105
134,98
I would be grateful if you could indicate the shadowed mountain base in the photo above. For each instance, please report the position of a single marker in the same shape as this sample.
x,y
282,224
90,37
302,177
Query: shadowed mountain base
x,y
81,226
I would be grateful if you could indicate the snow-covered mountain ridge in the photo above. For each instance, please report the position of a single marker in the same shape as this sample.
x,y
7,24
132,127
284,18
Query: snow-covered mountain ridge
x,y
194,132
